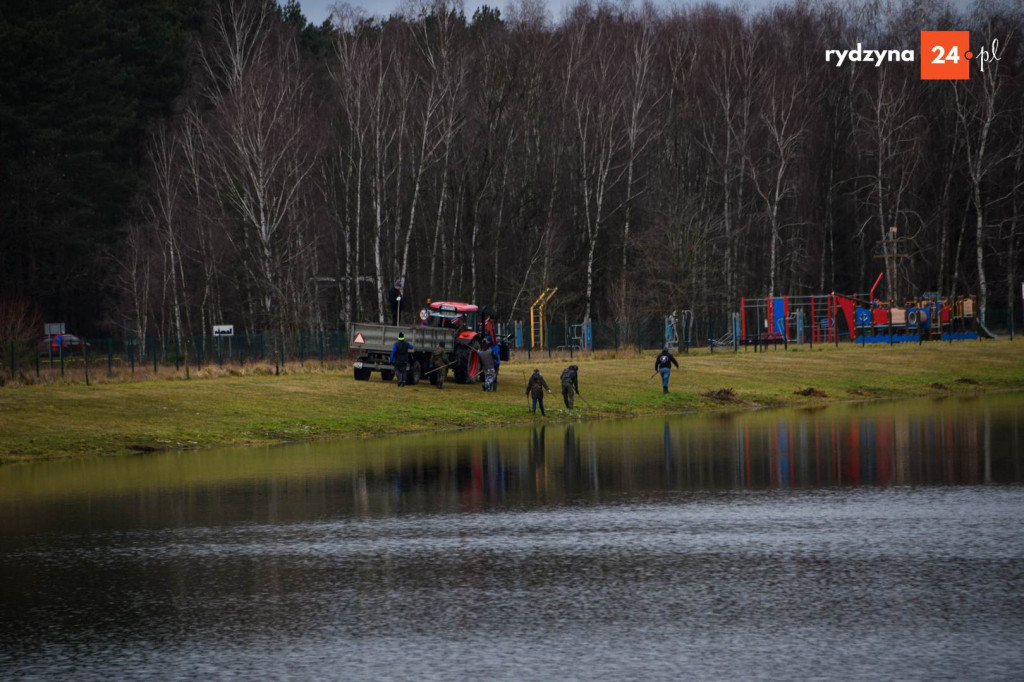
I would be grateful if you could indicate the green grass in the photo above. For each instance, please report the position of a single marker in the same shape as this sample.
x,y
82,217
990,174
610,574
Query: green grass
x,y
74,420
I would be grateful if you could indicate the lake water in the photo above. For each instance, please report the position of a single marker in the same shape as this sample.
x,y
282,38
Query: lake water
x,y
868,541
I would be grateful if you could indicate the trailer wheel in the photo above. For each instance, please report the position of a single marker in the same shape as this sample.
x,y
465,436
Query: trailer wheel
x,y
415,374
387,375
361,374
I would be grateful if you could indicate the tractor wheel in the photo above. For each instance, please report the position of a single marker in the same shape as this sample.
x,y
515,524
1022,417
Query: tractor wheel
x,y
461,365
361,374
415,374
386,375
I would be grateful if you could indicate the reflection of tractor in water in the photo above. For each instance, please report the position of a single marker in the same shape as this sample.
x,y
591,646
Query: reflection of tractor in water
x,y
456,326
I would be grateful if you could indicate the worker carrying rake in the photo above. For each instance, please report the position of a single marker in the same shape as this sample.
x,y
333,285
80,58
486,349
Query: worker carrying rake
x,y
570,385
663,365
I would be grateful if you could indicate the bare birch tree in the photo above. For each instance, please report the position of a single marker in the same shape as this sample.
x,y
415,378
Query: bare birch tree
x,y
262,153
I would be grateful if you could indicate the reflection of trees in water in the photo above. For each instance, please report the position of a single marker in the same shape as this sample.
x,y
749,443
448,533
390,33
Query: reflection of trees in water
x,y
554,463
571,475
870,445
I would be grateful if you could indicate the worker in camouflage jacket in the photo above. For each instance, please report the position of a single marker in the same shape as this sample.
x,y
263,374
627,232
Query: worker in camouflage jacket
x,y
439,365
535,388
570,385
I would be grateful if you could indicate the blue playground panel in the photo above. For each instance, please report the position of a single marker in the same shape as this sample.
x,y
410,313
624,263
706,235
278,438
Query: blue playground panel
x,y
886,338
779,313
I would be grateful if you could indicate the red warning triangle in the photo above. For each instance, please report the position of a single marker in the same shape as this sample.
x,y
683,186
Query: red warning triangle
x,y
359,338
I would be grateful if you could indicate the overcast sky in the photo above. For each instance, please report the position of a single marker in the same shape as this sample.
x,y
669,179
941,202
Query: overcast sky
x,y
318,10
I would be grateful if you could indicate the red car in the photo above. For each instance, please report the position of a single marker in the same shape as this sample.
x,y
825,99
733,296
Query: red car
x,y
51,345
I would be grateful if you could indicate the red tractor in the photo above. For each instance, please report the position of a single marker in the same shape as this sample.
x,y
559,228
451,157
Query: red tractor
x,y
455,326
464,319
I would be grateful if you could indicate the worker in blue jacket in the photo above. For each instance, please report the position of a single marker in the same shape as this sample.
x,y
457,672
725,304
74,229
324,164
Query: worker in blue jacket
x,y
496,350
400,358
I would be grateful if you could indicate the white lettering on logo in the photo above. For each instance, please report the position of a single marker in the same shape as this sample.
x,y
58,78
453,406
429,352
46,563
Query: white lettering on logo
x,y
876,57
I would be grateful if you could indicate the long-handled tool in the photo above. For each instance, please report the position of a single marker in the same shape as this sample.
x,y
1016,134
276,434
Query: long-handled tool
x,y
438,368
583,399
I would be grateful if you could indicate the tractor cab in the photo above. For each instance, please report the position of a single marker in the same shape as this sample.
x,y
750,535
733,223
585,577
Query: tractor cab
x,y
450,315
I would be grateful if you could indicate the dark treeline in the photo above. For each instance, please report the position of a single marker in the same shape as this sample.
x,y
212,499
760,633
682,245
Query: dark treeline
x,y
640,159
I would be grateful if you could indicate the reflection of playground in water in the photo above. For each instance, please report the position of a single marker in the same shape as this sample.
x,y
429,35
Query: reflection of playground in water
x,y
909,443
559,463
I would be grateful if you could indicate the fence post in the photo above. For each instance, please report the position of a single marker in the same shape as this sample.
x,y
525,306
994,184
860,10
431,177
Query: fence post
x,y
154,358
37,364
321,348
61,349
12,360
110,357
85,359
177,355
131,354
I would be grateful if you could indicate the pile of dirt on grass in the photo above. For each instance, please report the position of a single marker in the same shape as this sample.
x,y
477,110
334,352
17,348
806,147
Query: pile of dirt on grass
x,y
810,392
722,395
968,380
939,386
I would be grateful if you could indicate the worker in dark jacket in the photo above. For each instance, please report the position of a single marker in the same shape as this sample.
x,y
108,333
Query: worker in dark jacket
x,y
487,365
570,385
395,300
663,364
439,365
535,388
400,358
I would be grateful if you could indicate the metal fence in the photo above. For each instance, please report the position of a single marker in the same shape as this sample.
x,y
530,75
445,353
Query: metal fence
x,y
153,354
40,359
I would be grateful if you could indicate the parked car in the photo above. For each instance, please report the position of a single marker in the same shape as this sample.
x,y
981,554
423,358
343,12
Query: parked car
x,y
72,345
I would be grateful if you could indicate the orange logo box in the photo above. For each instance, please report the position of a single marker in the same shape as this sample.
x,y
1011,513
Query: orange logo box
x,y
946,55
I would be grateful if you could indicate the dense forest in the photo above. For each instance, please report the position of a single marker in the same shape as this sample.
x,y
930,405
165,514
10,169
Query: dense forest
x,y
168,165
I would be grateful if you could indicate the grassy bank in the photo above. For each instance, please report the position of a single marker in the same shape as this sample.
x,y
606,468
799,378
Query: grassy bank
x,y
72,420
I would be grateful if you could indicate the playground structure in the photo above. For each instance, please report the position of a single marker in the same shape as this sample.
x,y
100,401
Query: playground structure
x,y
578,336
828,318
537,318
679,330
